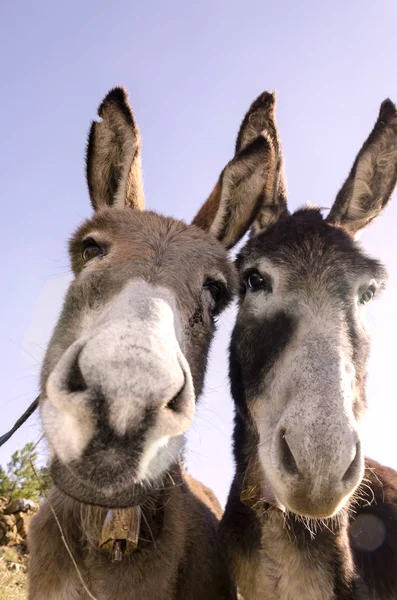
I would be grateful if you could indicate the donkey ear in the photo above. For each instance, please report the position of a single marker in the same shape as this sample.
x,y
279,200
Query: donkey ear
x,y
113,164
372,178
245,181
274,203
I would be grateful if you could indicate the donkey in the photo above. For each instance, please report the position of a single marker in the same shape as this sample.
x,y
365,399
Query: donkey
x,y
121,376
308,518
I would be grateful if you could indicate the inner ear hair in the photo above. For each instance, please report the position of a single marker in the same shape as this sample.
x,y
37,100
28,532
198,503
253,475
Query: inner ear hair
x,y
372,179
113,164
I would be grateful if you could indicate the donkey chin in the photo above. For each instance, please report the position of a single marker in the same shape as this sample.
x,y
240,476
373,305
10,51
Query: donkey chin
x,y
303,501
311,490
110,479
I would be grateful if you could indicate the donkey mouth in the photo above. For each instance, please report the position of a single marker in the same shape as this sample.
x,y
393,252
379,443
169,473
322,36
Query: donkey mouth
x,y
303,502
123,491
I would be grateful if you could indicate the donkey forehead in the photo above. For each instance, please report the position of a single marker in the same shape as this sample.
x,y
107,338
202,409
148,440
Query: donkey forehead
x,y
308,250
150,242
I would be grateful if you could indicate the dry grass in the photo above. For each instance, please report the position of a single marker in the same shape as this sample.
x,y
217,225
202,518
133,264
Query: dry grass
x,y
13,583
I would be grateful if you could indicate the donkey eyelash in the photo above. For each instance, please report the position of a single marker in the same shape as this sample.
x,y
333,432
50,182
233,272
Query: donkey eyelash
x,y
90,240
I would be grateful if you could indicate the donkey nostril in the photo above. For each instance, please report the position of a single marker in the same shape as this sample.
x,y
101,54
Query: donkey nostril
x,y
75,381
354,465
287,458
175,403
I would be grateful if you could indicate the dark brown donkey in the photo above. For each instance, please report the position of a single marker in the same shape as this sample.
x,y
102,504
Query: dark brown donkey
x,y
307,518
121,376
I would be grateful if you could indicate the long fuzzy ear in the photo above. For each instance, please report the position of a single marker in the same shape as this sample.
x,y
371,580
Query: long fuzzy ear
x,y
247,180
274,204
113,167
372,178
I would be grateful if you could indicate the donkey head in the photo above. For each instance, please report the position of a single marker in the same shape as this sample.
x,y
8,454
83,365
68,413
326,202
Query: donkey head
x,y
127,358
300,346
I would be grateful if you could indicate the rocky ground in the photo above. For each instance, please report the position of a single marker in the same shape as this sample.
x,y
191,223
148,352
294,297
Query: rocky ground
x,y
14,523
13,584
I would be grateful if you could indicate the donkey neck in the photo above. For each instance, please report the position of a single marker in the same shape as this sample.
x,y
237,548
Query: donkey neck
x,y
152,570
278,556
154,508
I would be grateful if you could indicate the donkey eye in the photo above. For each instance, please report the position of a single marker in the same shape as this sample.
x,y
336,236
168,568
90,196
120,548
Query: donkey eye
x,y
91,249
216,289
255,282
367,295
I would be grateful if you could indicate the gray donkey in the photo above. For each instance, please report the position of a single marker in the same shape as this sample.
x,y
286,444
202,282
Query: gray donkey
x,y
308,518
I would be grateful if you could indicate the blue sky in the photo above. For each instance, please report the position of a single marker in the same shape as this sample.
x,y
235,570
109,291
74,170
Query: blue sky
x,y
192,70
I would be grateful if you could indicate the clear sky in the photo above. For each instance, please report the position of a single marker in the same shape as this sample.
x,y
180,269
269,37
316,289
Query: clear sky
x,y
192,70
